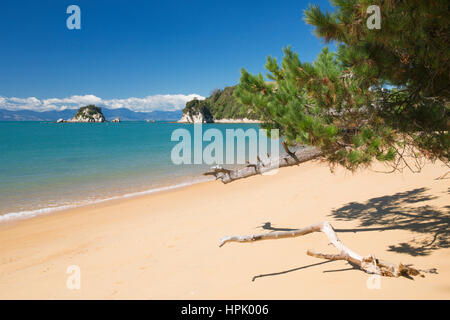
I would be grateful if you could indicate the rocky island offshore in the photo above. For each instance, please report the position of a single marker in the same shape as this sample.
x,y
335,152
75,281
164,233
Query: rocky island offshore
x,y
90,113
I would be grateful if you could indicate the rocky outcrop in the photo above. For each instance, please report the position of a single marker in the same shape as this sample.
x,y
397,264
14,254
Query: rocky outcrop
x,y
195,118
115,120
196,111
89,113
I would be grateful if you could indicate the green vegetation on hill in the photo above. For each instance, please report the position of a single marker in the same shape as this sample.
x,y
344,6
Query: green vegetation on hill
x,y
221,104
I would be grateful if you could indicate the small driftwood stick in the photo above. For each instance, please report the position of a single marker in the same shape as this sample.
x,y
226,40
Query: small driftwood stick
x,y
368,264
443,176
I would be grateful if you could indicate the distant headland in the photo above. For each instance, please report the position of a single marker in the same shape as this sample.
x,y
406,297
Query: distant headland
x,y
220,107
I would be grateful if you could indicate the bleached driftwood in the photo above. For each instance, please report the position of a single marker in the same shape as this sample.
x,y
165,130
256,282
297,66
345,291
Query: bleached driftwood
x,y
443,176
303,154
369,264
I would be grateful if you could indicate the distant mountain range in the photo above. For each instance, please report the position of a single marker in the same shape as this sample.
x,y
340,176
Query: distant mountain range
x,y
122,113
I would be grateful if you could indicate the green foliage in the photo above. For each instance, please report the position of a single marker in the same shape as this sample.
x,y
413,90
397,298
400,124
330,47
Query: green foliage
x,y
221,105
341,104
411,48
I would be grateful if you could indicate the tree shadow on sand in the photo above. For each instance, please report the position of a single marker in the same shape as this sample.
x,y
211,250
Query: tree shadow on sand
x,y
401,211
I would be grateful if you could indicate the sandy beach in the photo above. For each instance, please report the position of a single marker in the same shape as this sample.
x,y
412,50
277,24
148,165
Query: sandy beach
x,y
165,245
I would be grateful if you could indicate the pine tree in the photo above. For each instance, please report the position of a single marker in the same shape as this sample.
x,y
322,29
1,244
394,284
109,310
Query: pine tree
x,y
383,93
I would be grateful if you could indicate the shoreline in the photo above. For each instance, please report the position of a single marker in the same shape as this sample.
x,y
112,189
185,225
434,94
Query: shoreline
x,y
64,177
165,245
11,217
224,121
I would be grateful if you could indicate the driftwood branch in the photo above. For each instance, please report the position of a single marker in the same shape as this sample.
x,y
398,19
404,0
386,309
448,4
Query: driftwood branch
x,y
369,264
303,154
443,176
289,152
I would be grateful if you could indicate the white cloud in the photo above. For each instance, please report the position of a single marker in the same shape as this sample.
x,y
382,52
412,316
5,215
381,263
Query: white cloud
x,y
86,99
167,102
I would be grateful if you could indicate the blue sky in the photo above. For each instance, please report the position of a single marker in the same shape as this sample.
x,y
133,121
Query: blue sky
x,y
139,49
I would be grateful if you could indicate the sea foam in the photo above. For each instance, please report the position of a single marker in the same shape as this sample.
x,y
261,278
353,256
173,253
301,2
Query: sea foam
x,y
33,213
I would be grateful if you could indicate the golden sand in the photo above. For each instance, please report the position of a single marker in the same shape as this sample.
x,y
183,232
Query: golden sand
x,y
165,246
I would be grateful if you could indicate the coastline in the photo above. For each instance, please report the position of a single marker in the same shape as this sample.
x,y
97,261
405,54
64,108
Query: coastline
x,y
168,240
245,120
10,217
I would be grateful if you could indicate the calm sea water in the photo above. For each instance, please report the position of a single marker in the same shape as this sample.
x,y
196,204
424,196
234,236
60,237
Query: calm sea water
x,y
46,166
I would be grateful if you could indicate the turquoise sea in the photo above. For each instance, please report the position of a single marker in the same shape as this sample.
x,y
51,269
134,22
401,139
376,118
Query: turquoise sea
x,y
46,166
